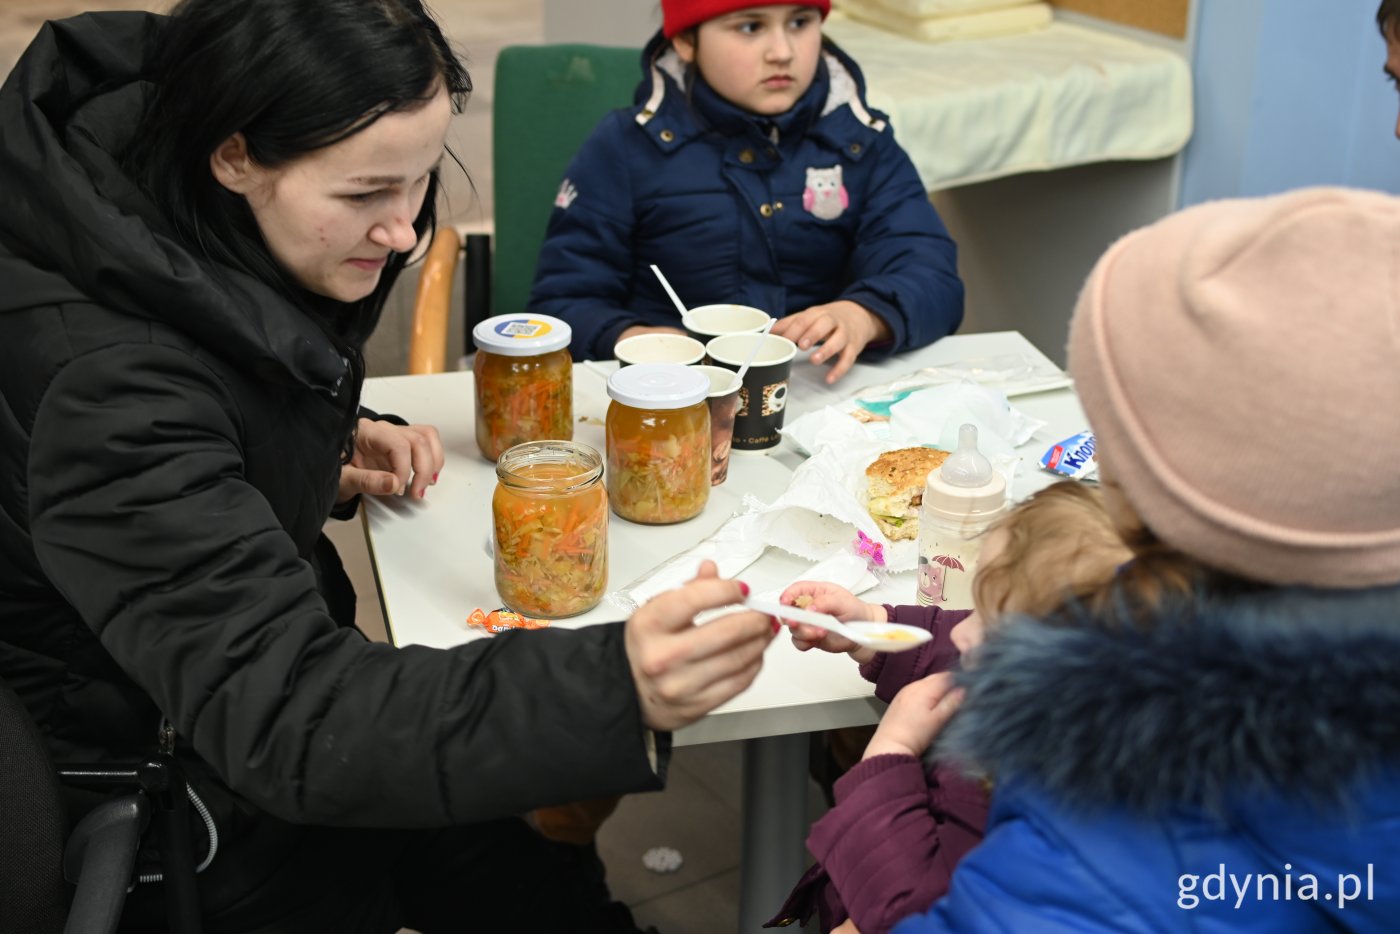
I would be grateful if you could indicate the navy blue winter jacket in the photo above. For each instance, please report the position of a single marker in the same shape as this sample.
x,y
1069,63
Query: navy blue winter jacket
x,y
815,205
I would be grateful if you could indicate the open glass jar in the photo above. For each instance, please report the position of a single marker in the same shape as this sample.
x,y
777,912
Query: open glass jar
x,y
524,382
658,439
550,520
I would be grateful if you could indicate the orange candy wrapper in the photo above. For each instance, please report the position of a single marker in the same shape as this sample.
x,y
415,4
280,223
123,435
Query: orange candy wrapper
x,y
502,621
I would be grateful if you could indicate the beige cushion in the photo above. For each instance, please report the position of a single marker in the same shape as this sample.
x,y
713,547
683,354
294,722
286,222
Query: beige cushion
x,y
922,9
940,28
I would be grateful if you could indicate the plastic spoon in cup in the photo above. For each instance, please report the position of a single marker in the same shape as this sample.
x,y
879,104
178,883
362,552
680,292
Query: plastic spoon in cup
x,y
757,345
675,299
882,637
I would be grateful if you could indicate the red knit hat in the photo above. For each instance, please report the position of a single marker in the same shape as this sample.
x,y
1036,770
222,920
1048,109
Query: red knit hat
x,y
680,15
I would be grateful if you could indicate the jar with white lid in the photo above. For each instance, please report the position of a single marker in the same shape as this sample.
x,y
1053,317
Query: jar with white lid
x,y
524,382
658,441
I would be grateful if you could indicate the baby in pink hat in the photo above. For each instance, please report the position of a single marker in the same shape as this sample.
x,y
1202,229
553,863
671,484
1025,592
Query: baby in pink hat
x,y
1216,745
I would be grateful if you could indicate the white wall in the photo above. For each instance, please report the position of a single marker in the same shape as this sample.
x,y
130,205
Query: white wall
x,y
628,23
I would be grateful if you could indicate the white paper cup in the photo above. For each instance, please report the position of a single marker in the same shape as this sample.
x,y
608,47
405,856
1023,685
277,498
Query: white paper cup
x,y
707,321
659,348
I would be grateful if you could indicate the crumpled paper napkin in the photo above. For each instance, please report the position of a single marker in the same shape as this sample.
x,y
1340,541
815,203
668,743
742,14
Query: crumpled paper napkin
x,y
824,505
822,514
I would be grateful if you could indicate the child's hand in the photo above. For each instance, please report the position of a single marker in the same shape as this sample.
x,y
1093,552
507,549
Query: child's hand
x,y
918,713
833,600
843,328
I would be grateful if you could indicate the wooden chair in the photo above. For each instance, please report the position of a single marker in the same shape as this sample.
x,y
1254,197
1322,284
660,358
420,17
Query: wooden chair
x,y
432,305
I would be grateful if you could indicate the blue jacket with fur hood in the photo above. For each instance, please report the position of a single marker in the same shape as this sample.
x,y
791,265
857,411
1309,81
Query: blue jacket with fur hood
x,y
1234,768
808,207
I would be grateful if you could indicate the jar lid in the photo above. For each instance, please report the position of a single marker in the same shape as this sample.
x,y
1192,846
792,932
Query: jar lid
x,y
658,386
522,335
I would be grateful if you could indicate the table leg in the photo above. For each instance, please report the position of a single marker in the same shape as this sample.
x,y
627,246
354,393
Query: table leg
x,y
775,825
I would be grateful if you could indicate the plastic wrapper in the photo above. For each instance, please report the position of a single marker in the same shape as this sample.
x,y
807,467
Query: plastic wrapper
x,y
1073,457
502,620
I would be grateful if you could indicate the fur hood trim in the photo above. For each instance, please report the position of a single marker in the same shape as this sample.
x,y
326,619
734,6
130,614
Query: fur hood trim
x,y
1282,691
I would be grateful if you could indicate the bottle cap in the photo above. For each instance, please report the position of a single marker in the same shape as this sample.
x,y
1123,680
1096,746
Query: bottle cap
x,y
658,386
965,488
521,335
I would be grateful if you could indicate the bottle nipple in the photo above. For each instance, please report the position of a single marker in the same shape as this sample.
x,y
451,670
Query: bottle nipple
x,y
967,467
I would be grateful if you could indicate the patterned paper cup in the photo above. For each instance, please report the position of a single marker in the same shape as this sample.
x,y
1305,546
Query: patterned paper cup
x,y
763,397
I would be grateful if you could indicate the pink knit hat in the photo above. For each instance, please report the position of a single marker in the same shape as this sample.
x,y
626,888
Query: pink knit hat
x,y
1240,365
680,15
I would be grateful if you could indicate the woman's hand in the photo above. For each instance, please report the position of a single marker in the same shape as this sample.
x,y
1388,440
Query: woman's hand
x,y
916,716
391,460
833,601
842,328
683,671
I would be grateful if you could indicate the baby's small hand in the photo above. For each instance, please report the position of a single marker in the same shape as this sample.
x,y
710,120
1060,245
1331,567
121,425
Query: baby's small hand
x,y
821,597
833,600
916,716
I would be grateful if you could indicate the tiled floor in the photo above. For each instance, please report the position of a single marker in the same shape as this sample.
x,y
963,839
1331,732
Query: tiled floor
x,y
698,814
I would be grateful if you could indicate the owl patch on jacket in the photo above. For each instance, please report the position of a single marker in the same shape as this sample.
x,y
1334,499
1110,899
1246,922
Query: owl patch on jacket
x,y
825,198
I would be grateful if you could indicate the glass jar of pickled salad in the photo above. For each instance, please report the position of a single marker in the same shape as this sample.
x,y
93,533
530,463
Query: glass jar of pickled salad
x,y
550,528
658,440
524,382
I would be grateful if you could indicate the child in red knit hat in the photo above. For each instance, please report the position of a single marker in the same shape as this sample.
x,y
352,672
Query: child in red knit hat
x,y
751,171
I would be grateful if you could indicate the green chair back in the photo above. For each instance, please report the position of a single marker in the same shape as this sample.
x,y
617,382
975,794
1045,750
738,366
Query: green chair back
x,y
548,98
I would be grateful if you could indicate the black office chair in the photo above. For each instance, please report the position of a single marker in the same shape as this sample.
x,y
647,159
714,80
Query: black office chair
x,y
54,880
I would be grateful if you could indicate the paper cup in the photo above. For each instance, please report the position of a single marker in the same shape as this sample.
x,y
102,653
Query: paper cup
x,y
709,321
659,348
763,397
724,404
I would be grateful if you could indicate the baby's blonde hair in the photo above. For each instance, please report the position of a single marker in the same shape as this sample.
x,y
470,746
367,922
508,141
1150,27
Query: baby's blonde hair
x,y
1059,545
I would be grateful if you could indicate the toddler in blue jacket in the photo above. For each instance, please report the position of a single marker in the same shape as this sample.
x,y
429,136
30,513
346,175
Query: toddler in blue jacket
x,y
752,172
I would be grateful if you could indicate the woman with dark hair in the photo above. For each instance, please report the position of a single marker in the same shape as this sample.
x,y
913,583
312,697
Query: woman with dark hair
x,y
203,215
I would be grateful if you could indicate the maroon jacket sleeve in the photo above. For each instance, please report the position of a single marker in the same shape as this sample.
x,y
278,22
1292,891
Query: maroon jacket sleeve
x,y
891,671
891,842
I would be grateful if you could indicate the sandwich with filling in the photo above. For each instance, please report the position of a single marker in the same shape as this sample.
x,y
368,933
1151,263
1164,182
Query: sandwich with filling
x,y
895,489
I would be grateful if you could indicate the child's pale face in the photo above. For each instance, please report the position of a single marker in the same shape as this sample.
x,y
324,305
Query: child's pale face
x,y
762,59
967,635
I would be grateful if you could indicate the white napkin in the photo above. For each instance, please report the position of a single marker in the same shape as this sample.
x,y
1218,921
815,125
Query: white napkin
x,y
844,570
733,547
933,416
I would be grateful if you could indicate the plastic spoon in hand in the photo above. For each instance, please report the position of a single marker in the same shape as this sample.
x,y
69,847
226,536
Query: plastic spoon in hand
x,y
675,299
882,637
758,343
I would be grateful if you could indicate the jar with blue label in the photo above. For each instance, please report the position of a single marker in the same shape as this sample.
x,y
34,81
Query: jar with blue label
x,y
524,382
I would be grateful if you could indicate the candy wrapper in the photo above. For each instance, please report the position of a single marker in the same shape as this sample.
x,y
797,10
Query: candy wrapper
x,y
1073,457
503,620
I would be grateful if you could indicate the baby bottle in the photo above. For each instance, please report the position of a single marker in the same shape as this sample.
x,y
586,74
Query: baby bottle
x,y
961,498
